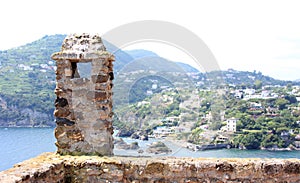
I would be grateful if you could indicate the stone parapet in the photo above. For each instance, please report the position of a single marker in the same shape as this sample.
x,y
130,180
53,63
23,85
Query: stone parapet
x,y
51,167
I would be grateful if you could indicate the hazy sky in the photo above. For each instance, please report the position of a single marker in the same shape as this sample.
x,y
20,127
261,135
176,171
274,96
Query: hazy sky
x,y
244,35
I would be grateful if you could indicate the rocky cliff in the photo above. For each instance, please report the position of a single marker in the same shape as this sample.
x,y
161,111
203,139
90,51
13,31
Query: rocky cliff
x,y
16,116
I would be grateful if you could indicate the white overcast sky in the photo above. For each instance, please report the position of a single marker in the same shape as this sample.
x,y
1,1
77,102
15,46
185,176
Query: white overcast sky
x,y
243,35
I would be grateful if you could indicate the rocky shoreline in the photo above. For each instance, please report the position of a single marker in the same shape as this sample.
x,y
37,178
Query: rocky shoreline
x,y
280,149
177,145
135,148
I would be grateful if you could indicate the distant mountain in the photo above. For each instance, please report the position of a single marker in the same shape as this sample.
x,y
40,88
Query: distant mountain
x,y
27,81
157,64
122,57
140,53
187,67
297,80
27,78
152,61
244,78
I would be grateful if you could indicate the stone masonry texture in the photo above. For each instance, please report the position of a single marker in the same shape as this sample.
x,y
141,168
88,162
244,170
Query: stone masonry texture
x,y
83,107
52,167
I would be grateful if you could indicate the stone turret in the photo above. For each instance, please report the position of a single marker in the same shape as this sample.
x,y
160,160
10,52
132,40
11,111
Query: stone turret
x,y
83,107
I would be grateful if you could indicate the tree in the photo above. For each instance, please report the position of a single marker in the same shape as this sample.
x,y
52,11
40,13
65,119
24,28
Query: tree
x,y
272,125
242,106
247,122
272,140
289,86
239,125
257,84
249,140
291,98
281,103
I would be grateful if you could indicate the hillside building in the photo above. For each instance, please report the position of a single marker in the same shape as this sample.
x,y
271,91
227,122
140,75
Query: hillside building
x,y
231,124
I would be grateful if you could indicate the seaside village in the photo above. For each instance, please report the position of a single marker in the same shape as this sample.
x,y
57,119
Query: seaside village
x,y
204,117
248,111
201,117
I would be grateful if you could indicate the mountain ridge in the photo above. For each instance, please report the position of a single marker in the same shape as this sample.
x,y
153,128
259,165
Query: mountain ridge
x,y
27,79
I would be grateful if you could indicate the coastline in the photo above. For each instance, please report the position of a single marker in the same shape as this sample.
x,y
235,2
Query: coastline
x,y
280,149
27,126
184,144
174,145
19,144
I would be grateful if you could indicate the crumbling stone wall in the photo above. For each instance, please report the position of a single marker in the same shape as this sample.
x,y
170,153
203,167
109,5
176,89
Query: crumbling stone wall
x,y
84,98
51,167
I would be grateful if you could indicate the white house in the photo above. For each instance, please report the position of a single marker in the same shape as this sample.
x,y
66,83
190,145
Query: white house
x,y
231,124
249,91
149,92
265,94
162,131
142,103
154,86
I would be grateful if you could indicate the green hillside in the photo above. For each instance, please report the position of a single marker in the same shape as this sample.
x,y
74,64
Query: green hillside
x,y
27,83
27,79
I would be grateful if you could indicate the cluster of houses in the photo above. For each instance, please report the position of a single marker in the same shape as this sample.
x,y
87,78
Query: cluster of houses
x,y
41,67
247,94
168,128
257,107
250,93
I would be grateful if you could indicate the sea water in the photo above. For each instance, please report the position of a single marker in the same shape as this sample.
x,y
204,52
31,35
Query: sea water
x,y
19,144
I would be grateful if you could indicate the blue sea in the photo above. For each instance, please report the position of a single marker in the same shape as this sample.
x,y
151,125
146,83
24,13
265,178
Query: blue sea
x,y
19,144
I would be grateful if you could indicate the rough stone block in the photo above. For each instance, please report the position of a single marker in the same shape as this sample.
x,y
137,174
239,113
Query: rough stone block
x,y
111,76
100,78
61,102
61,112
68,72
101,86
64,121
